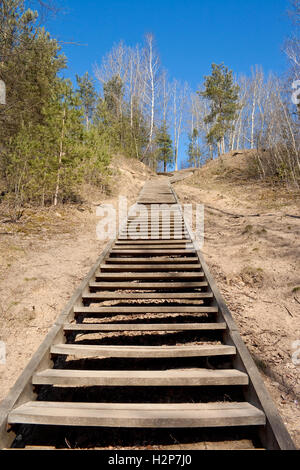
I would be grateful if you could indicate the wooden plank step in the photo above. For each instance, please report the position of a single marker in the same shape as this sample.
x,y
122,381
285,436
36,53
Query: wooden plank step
x,y
145,309
156,218
151,242
155,226
149,200
147,247
146,230
150,237
140,378
159,238
152,276
146,296
159,260
146,236
144,327
153,352
150,415
147,285
157,251
148,267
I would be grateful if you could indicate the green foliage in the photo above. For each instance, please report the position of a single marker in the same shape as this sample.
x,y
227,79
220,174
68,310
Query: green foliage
x,y
165,152
223,97
194,150
88,96
46,150
120,124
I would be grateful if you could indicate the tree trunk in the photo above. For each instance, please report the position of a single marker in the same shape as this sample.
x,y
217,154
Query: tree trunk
x,y
60,158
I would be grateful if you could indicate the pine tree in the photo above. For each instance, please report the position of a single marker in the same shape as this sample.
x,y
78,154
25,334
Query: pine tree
x,y
165,152
88,96
29,63
194,150
223,96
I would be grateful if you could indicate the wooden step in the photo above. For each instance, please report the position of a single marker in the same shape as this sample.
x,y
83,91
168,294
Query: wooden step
x,y
153,352
132,415
156,219
151,242
157,276
148,267
163,235
144,309
161,246
157,251
159,260
155,227
140,378
86,327
147,285
148,201
149,237
100,296
156,237
156,224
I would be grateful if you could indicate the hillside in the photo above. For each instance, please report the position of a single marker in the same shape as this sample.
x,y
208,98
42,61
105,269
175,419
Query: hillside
x,y
252,248
43,257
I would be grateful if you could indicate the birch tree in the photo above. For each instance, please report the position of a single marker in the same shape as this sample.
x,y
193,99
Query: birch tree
x,y
179,99
151,77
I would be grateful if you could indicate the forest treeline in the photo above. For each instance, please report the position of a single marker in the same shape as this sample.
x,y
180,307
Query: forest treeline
x,y
55,135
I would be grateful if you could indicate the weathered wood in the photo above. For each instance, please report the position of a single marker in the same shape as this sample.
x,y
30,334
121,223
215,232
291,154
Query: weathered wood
x,y
94,351
147,285
141,378
151,415
86,327
116,310
151,242
161,246
152,252
148,267
146,295
155,276
168,261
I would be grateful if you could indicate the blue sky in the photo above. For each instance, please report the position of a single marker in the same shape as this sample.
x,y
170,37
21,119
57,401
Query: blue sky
x,y
189,34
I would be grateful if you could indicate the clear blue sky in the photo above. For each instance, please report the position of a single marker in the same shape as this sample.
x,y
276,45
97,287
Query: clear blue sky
x,y
190,34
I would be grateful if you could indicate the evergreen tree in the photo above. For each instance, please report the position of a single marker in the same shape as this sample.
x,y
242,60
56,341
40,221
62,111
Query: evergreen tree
x,y
88,96
165,152
46,151
223,96
194,150
29,63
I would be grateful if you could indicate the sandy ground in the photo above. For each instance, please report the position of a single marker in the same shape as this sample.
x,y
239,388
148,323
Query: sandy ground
x,y
255,261
43,258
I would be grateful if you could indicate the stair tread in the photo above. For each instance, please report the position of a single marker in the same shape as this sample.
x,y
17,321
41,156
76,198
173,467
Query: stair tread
x,y
179,377
86,351
163,415
144,327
